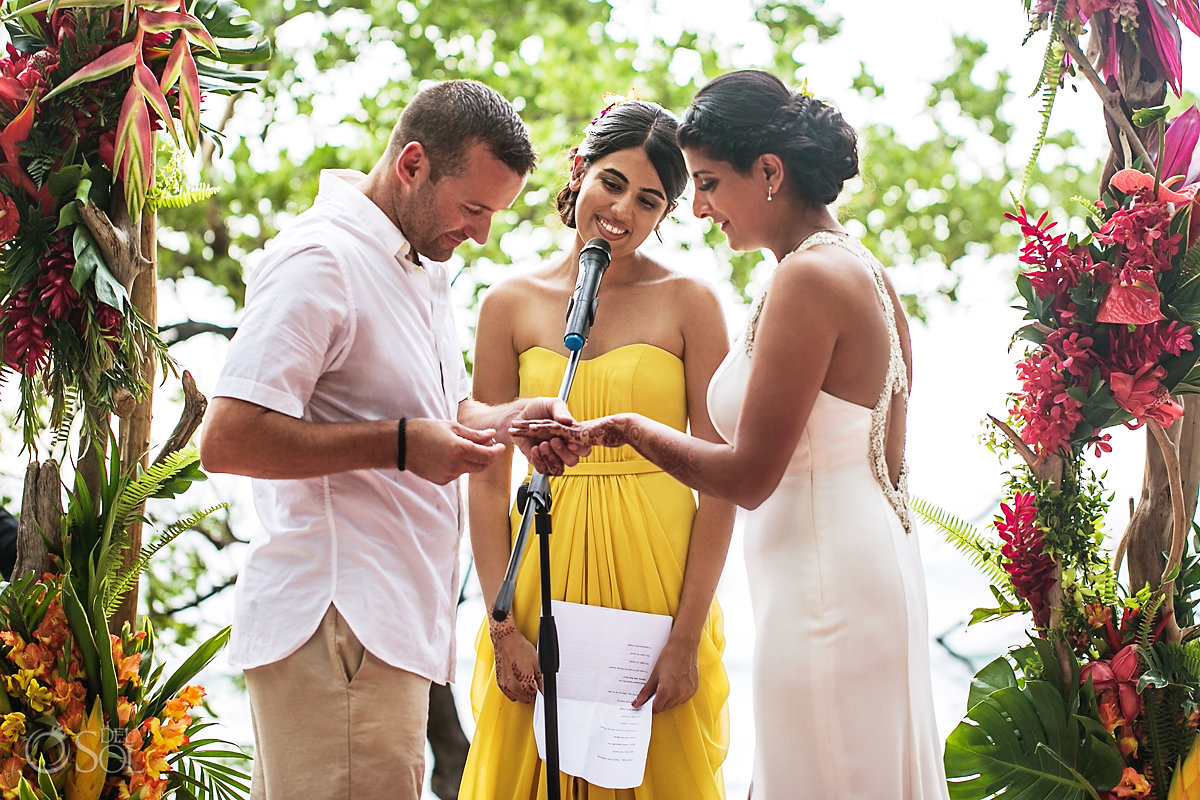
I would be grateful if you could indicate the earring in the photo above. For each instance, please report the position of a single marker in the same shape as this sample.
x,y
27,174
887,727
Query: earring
x,y
770,189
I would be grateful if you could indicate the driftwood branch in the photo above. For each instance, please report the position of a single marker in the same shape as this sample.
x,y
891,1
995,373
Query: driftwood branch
x,y
182,331
1111,100
1178,532
41,515
119,240
194,406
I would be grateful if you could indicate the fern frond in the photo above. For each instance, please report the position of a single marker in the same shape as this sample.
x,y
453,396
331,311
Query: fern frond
x,y
1091,208
967,539
1049,93
149,483
183,199
1052,59
123,578
1145,634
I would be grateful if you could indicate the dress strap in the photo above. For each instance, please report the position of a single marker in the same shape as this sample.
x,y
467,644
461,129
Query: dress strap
x,y
895,381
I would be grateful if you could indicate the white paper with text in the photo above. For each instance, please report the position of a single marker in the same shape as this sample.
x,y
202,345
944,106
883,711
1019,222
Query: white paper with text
x,y
606,656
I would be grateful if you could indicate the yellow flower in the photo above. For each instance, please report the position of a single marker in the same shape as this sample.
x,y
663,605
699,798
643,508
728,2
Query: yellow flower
x,y
39,698
12,726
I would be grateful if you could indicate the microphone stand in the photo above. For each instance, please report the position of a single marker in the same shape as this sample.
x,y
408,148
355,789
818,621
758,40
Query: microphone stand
x,y
534,499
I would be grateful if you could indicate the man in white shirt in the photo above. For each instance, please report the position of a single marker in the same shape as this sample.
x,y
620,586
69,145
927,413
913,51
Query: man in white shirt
x,y
345,396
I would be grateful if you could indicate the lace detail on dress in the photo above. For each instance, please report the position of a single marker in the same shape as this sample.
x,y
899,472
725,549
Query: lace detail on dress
x,y
895,381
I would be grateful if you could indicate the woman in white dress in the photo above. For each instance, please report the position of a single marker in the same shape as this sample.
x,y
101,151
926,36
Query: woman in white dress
x,y
812,405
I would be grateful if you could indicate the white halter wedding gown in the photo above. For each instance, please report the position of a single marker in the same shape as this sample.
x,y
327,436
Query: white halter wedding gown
x,y
843,704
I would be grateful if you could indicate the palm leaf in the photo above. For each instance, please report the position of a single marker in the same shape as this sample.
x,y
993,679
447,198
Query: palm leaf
x,y
198,660
208,767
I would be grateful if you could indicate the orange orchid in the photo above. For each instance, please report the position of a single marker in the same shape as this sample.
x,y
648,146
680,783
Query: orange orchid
x,y
1133,784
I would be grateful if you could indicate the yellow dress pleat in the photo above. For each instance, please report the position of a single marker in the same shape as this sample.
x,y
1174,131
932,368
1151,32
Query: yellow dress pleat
x,y
620,540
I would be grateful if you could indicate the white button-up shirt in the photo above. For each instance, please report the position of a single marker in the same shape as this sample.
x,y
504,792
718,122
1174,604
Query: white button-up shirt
x,y
341,325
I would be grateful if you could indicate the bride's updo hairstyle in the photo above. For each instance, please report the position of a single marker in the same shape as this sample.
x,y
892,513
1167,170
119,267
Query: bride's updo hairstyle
x,y
741,115
633,123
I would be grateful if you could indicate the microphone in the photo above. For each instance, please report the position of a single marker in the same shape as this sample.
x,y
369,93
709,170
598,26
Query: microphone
x,y
581,312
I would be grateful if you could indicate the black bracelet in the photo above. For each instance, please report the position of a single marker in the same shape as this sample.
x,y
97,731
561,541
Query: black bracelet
x,y
401,444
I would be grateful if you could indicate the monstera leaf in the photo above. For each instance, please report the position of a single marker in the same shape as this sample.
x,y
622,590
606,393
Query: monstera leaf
x,y
1028,739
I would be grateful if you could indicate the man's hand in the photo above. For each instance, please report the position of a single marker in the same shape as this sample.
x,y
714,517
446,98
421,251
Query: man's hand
x,y
517,672
674,680
441,450
553,455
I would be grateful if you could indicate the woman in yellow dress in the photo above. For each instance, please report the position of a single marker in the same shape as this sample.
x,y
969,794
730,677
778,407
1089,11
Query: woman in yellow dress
x,y
626,534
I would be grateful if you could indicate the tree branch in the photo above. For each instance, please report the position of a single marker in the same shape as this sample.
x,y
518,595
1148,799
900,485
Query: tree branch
x,y
1111,100
178,332
199,598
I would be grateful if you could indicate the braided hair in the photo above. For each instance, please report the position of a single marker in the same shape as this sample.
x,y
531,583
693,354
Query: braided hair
x,y
636,123
741,115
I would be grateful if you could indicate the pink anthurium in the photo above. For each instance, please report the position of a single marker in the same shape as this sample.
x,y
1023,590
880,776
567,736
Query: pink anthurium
x,y
1131,181
1133,303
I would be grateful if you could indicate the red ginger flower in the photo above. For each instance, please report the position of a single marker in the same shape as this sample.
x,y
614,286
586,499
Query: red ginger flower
x,y
1026,562
25,345
57,292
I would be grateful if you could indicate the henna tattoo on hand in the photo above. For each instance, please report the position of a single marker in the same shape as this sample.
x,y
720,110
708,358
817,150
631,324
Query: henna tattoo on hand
x,y
500,633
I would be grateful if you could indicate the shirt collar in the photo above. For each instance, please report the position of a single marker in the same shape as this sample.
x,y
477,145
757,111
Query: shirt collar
x,y
341,186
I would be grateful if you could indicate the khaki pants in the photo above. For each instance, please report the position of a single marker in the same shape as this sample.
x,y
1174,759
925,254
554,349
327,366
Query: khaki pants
x,y
332,721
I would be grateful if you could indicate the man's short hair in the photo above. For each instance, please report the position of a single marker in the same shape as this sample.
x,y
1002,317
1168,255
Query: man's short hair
x,y
449,118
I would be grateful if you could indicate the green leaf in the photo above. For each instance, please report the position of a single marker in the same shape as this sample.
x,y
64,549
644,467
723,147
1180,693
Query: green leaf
x,y
109,289
87,255
1027,742
1145,117
198,660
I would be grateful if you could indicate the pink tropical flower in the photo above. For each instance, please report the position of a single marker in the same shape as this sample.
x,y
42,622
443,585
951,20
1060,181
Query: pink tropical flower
x,y
57,292
10,219
25,344
1143,395
1026,562
1131,304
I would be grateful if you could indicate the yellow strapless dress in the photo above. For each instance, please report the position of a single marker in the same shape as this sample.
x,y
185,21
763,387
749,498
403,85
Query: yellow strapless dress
x,y
621,532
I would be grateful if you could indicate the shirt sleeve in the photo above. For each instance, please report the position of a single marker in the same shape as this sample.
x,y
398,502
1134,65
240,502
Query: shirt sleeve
x,y
298,324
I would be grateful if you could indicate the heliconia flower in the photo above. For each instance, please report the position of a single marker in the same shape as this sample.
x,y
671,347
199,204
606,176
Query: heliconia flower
x,y
1143,395
1130,304
1025,560
10,219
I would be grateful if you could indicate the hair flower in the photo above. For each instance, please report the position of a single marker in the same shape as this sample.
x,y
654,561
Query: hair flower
x,y
611,100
